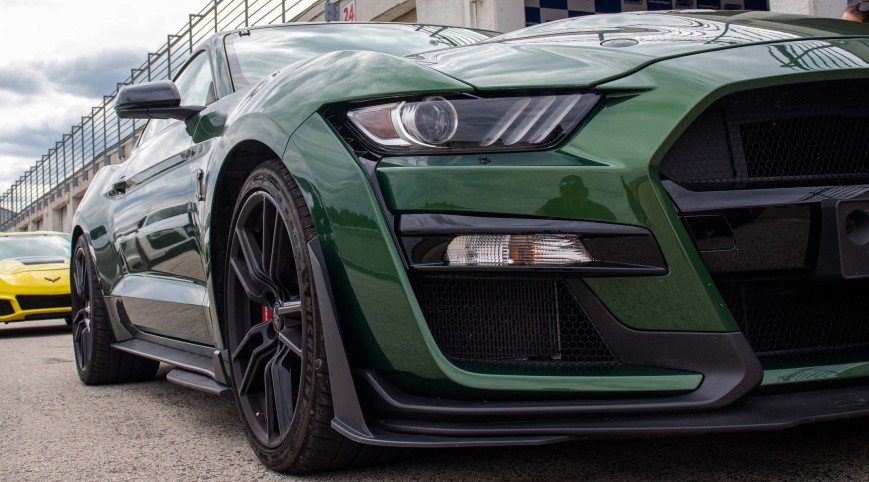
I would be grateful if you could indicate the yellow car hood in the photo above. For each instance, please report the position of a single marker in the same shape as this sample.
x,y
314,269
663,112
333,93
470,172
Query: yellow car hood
x,y
17,266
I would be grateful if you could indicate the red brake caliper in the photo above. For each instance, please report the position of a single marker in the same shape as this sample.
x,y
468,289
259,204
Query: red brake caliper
x,y
267,314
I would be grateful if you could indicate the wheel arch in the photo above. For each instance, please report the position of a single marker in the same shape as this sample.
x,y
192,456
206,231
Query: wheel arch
x,y
241,160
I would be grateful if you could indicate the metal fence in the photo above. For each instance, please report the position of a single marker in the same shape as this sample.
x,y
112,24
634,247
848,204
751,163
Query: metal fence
x,y
87,145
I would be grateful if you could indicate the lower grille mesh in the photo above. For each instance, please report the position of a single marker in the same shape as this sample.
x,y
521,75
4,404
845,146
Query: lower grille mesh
x,y
517,326
790,321
40,302
6,308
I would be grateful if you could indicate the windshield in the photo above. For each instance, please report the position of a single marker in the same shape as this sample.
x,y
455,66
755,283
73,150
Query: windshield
x,y
256,53
48,245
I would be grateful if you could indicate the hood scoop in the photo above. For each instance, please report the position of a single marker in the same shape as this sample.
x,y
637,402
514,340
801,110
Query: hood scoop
x,y
40,260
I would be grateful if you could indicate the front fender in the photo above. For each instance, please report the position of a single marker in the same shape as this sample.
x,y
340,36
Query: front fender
x,y
293,94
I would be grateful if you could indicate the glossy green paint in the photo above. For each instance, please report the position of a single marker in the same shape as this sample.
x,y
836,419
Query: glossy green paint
x,y
291,96
384,327
809,374
615,153
574,53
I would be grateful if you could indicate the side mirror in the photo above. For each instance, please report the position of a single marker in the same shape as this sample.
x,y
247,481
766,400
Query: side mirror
x,y
153,100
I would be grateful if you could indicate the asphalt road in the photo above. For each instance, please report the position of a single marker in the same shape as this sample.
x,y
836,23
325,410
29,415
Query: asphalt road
x,y
54,428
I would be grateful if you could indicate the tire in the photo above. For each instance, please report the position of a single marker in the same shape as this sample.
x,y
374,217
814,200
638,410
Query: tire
x,y
278,360
97,362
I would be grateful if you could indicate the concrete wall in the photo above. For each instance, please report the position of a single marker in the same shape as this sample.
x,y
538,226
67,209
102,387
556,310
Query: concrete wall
x,y
823,8
500,15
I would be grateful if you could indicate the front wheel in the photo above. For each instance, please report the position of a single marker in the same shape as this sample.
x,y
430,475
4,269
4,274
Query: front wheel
x,y
95,359
273,331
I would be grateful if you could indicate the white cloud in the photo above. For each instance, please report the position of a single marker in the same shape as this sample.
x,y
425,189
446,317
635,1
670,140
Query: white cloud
x,y
58,56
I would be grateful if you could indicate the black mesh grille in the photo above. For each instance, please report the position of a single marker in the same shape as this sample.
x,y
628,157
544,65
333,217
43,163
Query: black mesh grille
x,y
39,302
797,135
518,326
6,308
790,321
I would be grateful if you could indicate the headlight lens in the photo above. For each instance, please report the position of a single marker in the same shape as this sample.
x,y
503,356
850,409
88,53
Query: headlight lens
x,y
472,123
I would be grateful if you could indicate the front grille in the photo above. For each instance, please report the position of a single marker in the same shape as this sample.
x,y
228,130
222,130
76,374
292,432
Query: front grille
x,y
791,321
6,308
41,302
515,326
797,135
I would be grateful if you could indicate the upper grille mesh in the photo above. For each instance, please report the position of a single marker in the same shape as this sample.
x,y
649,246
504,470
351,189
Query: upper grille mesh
x,y
797,135
518,326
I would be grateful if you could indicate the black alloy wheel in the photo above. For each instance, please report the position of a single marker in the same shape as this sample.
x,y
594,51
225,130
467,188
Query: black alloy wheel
x,y
95,360
272,329
265,299
81,301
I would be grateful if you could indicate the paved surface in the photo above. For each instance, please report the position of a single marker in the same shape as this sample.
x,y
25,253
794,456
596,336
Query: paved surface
x,y
54,428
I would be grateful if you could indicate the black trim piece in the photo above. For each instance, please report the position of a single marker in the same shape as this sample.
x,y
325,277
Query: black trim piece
x,y
619,250
199,382
180,358
700,202
440,224
768,412
729,368
345,402
598,268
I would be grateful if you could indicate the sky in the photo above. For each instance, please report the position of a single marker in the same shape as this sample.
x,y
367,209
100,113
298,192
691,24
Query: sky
x,y
59,57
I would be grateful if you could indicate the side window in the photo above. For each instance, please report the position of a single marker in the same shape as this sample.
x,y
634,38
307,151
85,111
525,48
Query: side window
x,y
196,88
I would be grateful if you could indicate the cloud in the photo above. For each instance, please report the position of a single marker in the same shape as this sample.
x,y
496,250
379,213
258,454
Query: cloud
x,y
19,82
92,75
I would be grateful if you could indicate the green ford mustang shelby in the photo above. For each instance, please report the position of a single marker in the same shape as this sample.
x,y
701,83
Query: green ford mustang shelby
x,y
614,225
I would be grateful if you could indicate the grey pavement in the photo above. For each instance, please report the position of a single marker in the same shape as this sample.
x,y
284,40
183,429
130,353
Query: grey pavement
x,y
52,427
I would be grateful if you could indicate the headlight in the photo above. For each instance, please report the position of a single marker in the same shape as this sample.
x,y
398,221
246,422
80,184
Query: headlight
x,y
472,124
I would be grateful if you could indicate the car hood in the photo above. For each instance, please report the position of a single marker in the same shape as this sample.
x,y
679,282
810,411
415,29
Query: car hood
x,y
14,266
586,51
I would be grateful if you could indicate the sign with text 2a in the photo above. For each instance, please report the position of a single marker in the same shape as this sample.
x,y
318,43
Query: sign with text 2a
x,y
348,11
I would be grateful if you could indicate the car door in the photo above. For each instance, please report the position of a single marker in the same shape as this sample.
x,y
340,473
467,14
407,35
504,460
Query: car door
x,y
163,290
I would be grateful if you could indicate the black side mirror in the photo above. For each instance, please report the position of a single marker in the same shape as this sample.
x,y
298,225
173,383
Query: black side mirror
x,y
153,100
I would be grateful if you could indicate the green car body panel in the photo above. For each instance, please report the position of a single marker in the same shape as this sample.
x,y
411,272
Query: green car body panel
x,y
672,68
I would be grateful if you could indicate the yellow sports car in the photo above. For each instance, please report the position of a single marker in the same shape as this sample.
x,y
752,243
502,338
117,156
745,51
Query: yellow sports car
x,y
34,276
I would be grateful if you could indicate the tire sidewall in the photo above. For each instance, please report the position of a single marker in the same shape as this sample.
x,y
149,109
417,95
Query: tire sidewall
x,y
273,179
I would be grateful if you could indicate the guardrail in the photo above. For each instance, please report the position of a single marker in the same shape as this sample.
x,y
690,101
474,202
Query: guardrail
x,y
88,145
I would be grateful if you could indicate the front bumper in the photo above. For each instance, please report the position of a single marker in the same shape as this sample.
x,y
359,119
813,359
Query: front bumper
x,y
23,307
371,410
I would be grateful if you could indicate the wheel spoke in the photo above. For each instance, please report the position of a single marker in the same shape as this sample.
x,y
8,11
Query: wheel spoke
x,y
289,308
253,290
258,346
81,335
80,275
291,337
253,260
279,392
